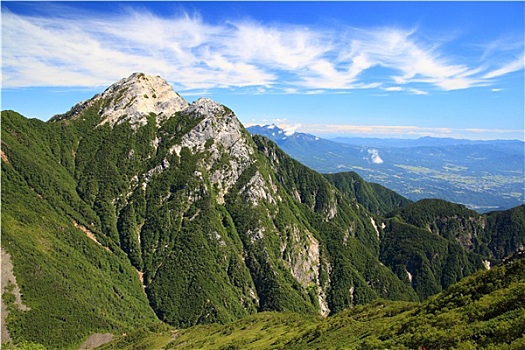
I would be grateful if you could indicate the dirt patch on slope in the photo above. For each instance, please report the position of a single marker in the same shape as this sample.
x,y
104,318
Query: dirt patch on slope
x,y
89,234
3,156
96,340
141,277
9,280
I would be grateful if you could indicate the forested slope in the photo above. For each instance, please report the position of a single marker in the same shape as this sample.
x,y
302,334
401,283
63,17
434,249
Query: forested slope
x,y
483,311
72,285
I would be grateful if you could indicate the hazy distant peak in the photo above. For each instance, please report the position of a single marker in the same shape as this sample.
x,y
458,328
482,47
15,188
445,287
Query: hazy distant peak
x,y
272,128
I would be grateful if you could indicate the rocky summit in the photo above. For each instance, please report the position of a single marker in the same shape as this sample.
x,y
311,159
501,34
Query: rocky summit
x,y
132,99
138,206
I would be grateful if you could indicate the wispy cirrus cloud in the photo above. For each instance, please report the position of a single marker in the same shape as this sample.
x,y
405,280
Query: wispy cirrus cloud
x,y
78,49
413,91
509,67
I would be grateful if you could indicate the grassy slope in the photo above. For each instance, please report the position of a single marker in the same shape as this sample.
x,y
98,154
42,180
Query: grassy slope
x,y
483,311
73,285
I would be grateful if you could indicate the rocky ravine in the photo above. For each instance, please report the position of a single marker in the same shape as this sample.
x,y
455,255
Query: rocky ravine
x,y
10,286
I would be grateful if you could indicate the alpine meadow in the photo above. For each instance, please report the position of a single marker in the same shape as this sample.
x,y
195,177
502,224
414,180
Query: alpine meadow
x,y
152,222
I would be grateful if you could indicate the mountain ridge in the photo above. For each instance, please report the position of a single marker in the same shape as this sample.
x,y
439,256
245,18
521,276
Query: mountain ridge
x,y
219,224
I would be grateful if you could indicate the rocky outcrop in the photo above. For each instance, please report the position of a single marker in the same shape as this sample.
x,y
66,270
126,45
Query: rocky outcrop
x,y
302,257
221,134
133,99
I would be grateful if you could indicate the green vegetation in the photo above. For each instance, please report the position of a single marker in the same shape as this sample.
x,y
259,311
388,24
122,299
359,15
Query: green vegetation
x,y
71,284
506,230
484,311
494,235
375,198
438,243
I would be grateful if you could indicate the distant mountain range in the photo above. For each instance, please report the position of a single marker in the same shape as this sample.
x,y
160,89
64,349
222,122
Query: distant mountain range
x,y
426,141
483,175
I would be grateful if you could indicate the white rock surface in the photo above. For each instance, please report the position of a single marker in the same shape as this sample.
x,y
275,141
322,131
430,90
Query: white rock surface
x,y
132,99
139,95
223,128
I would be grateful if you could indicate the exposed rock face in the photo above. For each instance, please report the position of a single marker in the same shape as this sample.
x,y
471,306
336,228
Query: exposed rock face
x,y
257,189
137,97
218,124
305,265
302,257
221,134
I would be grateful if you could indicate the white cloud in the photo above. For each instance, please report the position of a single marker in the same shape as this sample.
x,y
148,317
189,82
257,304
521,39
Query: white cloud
x,y
285,47
77,49
289,130
314,92
393,88
417,91
410,90
374,156
509,67
98,51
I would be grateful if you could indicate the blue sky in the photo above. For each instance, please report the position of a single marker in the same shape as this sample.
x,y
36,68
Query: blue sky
x,y
387,69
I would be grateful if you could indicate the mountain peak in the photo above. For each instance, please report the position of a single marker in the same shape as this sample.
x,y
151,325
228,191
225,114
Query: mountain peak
x,y
271,131
137,96
205,107
133,99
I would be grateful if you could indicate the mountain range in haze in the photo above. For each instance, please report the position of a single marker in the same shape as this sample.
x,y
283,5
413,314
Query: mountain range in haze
x,y
483,175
